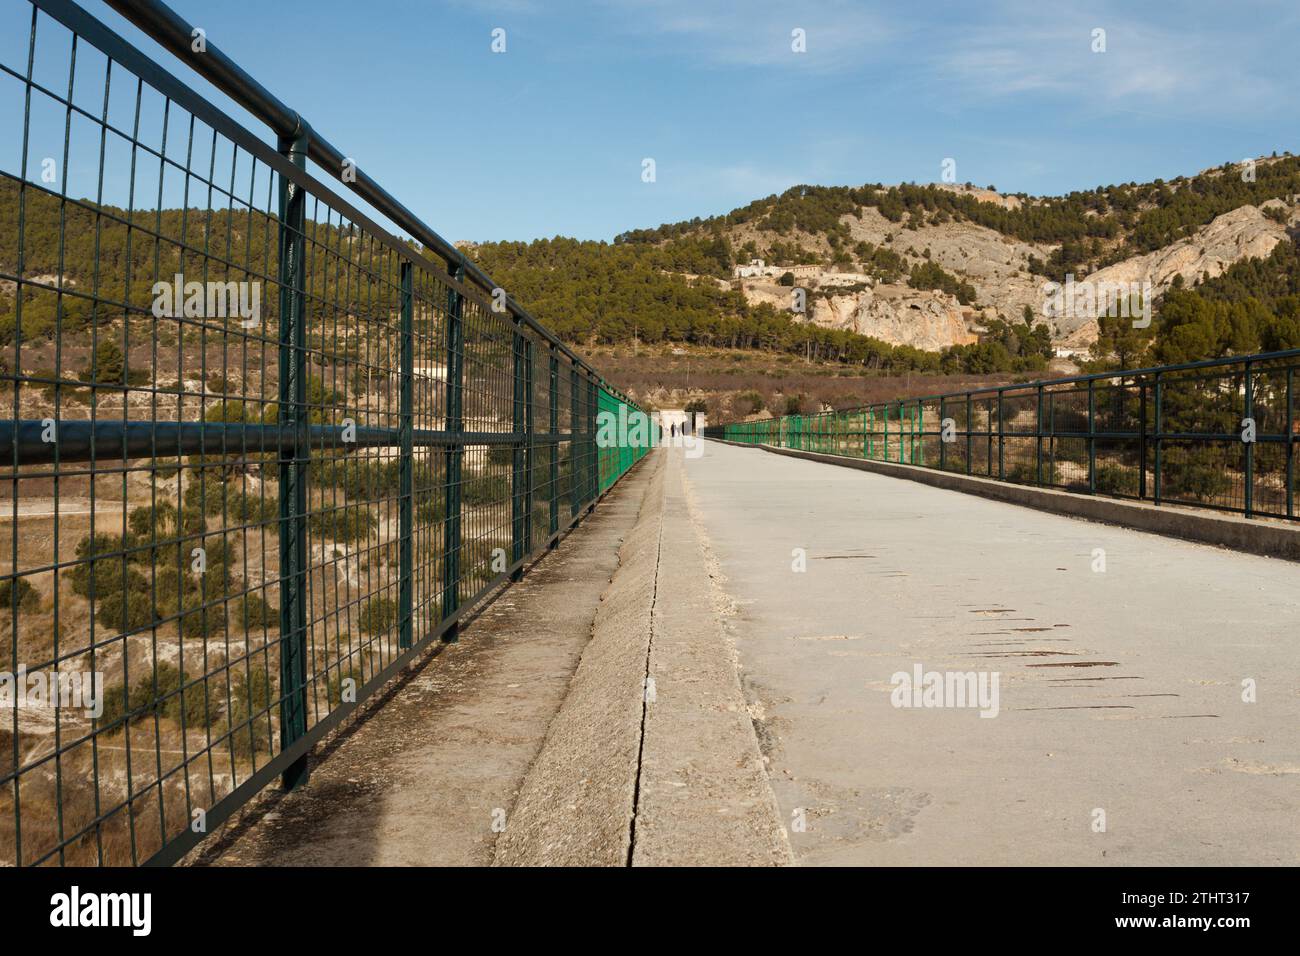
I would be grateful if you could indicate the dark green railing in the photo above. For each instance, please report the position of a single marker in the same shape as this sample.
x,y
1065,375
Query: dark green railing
x,y
245,507
1216,434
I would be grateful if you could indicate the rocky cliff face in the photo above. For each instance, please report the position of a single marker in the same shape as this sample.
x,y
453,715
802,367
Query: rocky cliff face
x,y
896,314
998,267
1244,233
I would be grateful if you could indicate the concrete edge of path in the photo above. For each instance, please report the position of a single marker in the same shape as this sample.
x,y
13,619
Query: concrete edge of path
x,y
1253,536
652,759
576,803
704,797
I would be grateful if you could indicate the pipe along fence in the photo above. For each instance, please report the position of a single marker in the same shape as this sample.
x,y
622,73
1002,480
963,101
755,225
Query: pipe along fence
x,y
1216,434
234,515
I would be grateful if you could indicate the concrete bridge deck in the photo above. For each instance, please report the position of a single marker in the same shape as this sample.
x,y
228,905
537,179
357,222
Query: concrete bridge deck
x,y
713,683
1120,689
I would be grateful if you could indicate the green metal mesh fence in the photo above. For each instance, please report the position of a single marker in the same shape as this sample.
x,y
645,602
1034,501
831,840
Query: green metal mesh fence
x,y
261,450
1220,434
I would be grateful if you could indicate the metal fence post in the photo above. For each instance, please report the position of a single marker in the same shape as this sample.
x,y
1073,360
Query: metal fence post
x,y
1051,440
517,454
1092,436
553,426
988,436
529,446
1038,429
943,445
575,443
593,455
405,464
970,432
1142,440
293,461
1290,442
918,438
1249,409
902,432
1002,440
1156,436
454,455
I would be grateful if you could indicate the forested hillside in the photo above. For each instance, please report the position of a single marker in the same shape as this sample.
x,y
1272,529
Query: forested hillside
x,y
673,284
597,293
1142,217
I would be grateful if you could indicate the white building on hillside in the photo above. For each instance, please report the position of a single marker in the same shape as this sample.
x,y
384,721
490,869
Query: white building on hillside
x,y
757,268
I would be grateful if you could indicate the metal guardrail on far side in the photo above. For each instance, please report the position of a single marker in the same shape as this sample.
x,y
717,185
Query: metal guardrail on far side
x,y
1219,434
262,450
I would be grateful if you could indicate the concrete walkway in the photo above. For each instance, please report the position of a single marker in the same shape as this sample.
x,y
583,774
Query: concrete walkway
x,y
1121,736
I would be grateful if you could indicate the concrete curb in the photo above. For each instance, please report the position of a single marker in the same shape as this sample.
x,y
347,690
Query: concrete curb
x,y
661,772
704,797
576,803
1253,536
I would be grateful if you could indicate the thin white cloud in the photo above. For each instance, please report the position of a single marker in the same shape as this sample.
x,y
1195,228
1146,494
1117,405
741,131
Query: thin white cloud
x,y
839,35
1031,48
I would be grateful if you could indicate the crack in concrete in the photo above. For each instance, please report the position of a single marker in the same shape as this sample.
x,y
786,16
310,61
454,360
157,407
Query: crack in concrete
x,y
645,700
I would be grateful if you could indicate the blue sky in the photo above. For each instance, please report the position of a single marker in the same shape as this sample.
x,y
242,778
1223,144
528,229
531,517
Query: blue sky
x,y
548,138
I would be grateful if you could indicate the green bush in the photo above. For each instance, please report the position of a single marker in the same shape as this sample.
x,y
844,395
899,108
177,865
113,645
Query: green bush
x,y
168,693
107,365
486,490
19,592
192,522
205,492
1026,473
128,610
343,523
153,521
248,732
1195,473
253,509
378,616
431,509
256,612
359,478
105,573
204,621
253,689
1114,479
171,587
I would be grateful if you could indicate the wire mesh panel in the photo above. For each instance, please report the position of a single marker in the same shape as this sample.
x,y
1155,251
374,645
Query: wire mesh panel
x,y
260,450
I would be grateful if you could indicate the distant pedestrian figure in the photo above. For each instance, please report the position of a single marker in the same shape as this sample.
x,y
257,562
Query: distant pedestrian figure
x,y
674,429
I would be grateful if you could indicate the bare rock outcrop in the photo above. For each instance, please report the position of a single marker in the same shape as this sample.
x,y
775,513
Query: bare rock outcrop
x,y
1243,233
997,266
